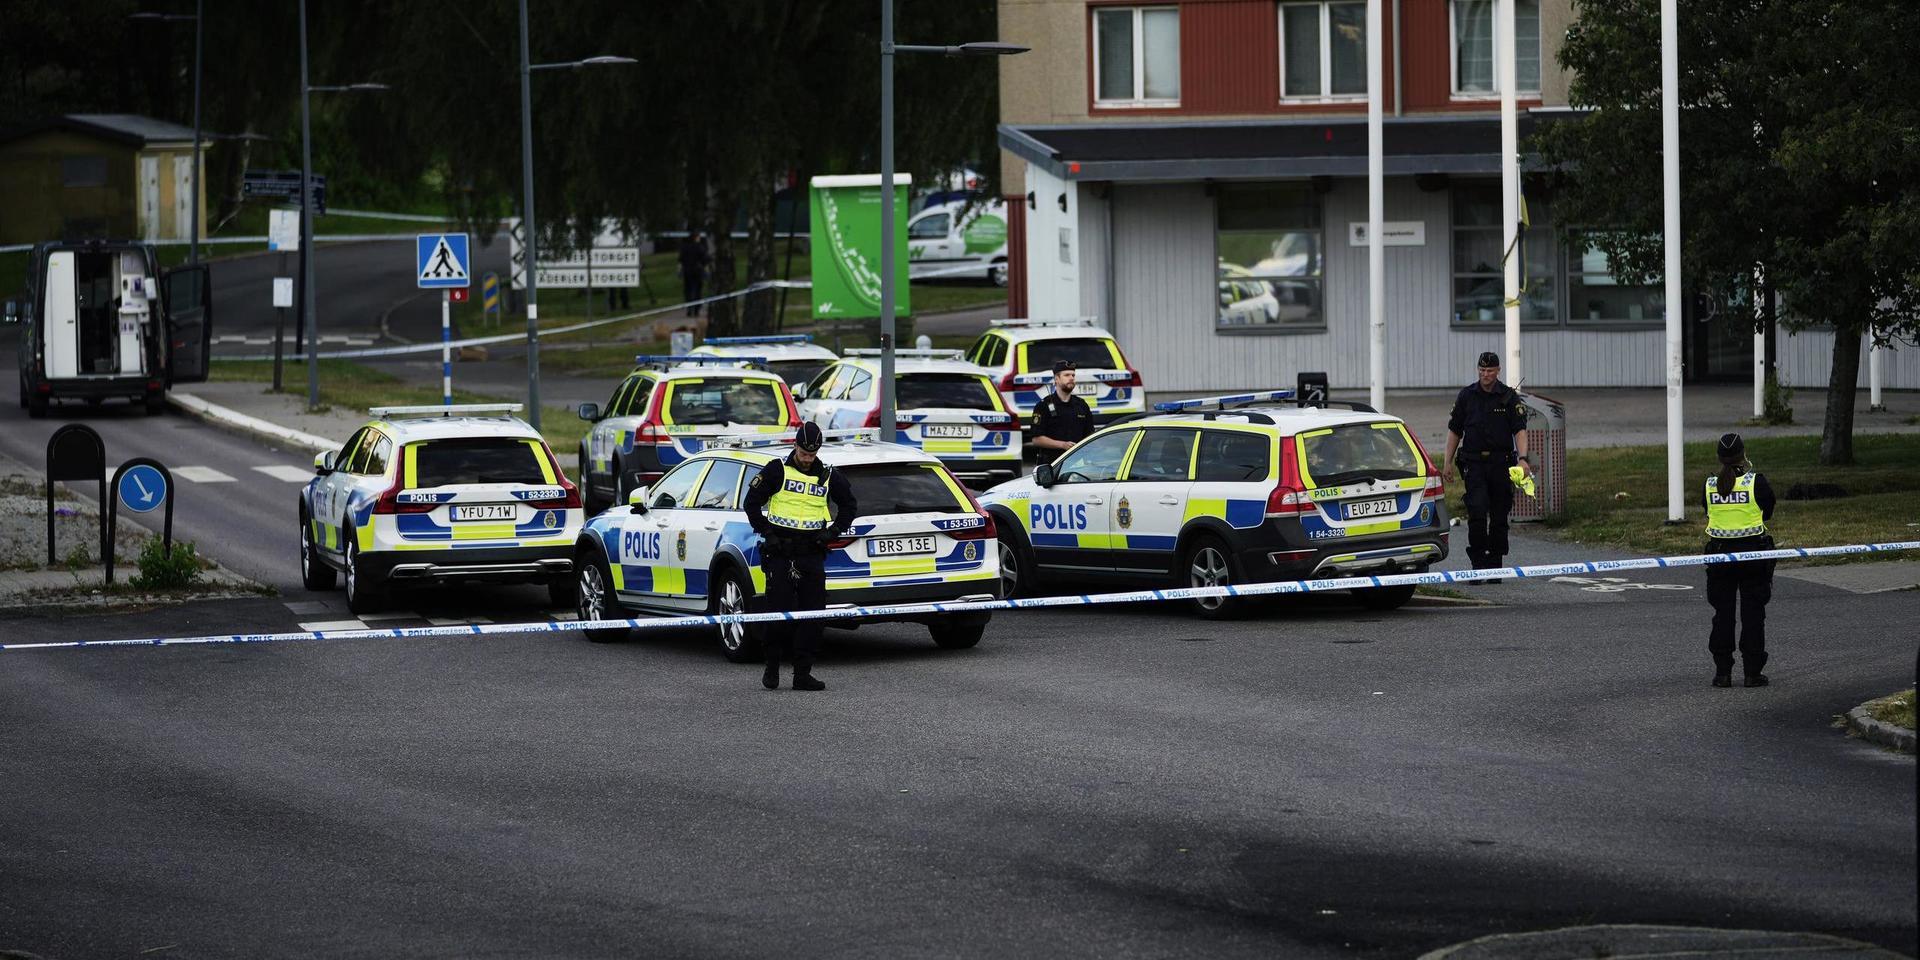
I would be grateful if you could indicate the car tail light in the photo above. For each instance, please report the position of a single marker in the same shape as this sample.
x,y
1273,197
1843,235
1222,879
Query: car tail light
x,y
1288,499
1010,422
1132,380
841,544
1006,382
389,502
649,432
1436,487
570,500
985,531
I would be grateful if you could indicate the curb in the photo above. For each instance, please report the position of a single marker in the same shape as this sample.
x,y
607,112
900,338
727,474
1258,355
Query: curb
x,y
221,416
1422,600
1861,723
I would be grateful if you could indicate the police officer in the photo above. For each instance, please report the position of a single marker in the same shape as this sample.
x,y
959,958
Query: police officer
x,y
1487,434
1739,502
788,505
1060,419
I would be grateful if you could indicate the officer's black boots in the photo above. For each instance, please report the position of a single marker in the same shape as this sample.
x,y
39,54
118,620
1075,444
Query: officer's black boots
x,y
770,678
805,681
1723,679
1756,680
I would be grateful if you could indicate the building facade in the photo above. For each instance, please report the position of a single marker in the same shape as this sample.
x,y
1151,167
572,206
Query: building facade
x,y
83,176
1193,174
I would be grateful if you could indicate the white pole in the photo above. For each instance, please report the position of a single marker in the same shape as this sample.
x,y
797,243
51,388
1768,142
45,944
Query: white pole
x,y
1759,345
1376,212
1503,48
1670,163
446,348
1873,371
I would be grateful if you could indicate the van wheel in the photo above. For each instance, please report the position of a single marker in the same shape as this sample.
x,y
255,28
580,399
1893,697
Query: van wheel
x,y
733,593
959,631
314,572
594,599
363,595
1207,563
998,273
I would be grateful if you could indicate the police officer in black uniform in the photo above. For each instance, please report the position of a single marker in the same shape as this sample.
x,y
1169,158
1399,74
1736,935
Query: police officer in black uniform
x,y
798,506
1487,434
1060,419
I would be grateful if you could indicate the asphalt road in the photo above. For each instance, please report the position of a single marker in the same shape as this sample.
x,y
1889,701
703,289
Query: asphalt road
x,y
1123,782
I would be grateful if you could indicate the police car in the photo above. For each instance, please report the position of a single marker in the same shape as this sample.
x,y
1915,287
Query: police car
x,y
666,410
684,544
944,405
1229,490
795,357
445,493
1020,354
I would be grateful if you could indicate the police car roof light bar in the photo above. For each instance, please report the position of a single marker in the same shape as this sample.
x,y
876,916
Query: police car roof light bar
x,y
662,360
446,410
1223,401
771,338
1047,322
926,353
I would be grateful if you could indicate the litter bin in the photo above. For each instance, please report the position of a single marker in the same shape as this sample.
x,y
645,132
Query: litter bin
x,y
1547,450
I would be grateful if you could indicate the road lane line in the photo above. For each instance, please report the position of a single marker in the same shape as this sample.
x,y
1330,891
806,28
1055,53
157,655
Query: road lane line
x,y
201,475
280,471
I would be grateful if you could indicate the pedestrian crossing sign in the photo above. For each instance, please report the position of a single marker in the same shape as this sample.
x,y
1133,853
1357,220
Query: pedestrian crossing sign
x,y
441,260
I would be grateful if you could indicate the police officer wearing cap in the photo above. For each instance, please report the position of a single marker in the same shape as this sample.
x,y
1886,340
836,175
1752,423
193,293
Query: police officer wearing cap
x,y
798,506
1739,502
1060,419
1487,434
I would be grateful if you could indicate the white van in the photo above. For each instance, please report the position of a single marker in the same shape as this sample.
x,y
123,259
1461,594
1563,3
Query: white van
x,y
958,238
102,322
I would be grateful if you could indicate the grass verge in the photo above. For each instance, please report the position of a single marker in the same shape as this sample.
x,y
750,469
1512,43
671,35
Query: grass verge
x,y
1896,709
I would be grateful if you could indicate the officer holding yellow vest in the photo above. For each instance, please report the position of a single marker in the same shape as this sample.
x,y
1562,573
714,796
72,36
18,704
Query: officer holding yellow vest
x,y
798,506
1739,502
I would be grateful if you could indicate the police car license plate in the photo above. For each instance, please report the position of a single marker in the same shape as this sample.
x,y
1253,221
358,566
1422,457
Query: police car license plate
x,y
899,546
1086,389
954,431
484,511
1371,508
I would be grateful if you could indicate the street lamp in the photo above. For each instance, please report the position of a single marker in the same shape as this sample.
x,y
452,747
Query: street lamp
x,y
888,48
526,221
193,203
307,298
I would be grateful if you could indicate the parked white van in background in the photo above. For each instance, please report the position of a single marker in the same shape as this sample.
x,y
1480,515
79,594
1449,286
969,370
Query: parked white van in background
x,y
947,239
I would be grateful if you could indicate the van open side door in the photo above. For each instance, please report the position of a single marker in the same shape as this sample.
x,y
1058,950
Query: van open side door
x,y
189,304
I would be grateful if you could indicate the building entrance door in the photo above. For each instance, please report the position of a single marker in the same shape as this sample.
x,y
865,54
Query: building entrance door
x,y
1719,339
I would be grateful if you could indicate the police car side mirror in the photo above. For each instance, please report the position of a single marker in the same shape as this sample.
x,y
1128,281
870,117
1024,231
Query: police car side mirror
x,y
590,412
323,463
800,392
638,499
1044,476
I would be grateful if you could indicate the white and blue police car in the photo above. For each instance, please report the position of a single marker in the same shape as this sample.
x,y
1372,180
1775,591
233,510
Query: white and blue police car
x,y
1020,354
942,404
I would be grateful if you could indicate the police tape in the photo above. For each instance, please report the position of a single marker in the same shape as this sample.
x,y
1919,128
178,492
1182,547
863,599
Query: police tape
x,y
895,611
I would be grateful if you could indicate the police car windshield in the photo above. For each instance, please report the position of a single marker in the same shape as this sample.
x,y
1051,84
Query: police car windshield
x,y
968,391
797,371
1360,451
1083,352
697,402
441,463
884,488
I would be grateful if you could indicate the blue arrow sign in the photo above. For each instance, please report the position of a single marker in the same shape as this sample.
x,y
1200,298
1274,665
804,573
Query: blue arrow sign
x,y
440,260
142,488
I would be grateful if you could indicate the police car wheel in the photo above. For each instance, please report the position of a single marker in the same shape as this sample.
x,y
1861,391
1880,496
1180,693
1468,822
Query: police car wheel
x,y
314,572
732,593
959,632
594,597
1016,566
1207,563
362,596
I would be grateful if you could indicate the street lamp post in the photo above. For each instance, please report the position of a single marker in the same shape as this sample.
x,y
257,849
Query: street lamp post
x,y
307,298
529,235
193,199
888,408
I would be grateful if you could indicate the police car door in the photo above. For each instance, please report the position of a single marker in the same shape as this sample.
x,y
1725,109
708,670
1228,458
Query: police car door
x,y
604,439
1070,523
647,540
332,494
1150,500
699,524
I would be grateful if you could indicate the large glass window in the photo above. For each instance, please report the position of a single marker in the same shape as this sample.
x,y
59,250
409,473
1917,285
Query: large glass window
x,y
1476,61
1323,50
1096,460
1234,456
721,489
1163,455
881,489
676,488
961,391
1085,353
1136,54
439,463
1478,274
1594,296
1271,250
1359,451
716,401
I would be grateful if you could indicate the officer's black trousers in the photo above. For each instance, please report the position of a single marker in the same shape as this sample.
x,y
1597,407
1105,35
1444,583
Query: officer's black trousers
x,y
1489,493
795,583
1748,585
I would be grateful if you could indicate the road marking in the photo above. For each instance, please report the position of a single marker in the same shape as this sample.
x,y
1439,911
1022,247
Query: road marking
x,y
390,615
280,471
334,625
305,607
201,475
1616,584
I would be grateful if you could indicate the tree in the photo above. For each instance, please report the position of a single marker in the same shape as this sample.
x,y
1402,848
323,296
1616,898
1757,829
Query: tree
x,y
1800,157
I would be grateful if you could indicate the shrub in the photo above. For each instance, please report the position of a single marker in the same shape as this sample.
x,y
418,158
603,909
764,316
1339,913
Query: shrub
x,y
161,569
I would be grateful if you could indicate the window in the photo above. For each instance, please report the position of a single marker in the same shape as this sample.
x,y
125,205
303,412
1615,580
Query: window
x,y
676,487
1476,69
721,489
1359,451
83,171
1136,56
1096,460
381,456
1271,253
1234,457
930,228
1323,50
821,387
1594,296
1085,353
1479,278
996,352
712,402
888,488
796,371
861,386
958,391
1163,455
441,463
351,451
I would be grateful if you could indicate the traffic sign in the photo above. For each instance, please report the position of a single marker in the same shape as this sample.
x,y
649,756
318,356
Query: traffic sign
x,y
441,260
282,185
142,488
283,230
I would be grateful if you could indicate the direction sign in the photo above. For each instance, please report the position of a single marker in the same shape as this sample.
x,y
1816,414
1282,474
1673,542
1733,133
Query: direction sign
x,y
283,229
282,185
142,488
441,260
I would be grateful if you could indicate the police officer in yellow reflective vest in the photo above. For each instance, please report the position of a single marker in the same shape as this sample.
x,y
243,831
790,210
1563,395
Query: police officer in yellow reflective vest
x,y
788,505
1739,503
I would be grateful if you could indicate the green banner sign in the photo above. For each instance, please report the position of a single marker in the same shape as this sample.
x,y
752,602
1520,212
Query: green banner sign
x,y
846,247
